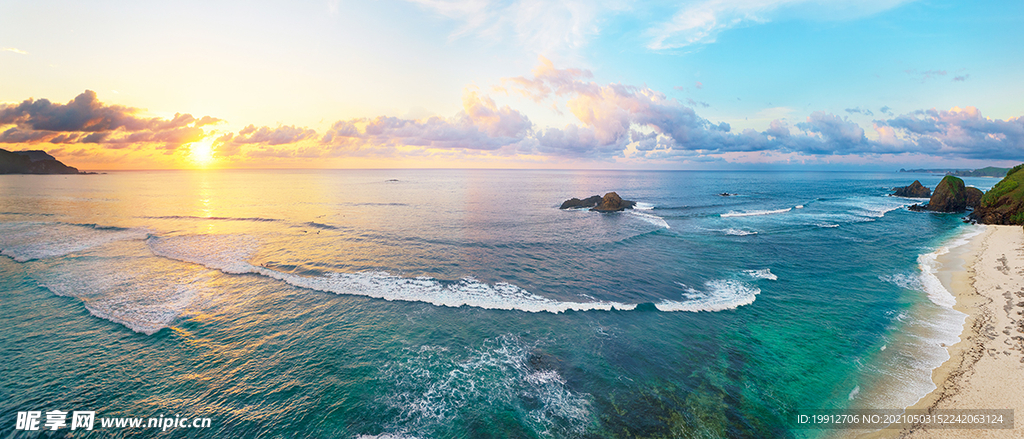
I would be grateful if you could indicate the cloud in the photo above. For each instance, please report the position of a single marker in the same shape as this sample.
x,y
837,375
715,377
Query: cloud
x,y
961,78
613,117
700,22
612,122
959,132
481,126
87,120
925,75
694,103
230,144
857,110
13,50
541,26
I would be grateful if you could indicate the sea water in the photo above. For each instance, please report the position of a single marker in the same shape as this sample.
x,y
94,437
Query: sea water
x,y
464,303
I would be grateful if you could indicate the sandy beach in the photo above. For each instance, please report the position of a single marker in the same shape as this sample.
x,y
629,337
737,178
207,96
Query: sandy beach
x,y
986,368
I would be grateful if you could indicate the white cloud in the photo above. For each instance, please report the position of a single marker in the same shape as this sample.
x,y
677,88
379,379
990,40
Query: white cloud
x,y
541,26
700,22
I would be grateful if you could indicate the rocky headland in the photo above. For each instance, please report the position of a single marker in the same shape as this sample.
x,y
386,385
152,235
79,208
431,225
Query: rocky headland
x,y
32,162
1004,203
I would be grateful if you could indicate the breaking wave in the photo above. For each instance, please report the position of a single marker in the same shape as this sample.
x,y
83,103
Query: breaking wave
x,y
755,213
26,241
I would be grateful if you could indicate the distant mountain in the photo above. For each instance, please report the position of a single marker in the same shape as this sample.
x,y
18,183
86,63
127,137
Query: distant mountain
x,y
990,171
32,162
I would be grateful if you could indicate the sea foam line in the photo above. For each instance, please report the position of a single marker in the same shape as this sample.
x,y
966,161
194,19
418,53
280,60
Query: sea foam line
x,y
928,262
653,219
230,253
718,295
755,213
26,241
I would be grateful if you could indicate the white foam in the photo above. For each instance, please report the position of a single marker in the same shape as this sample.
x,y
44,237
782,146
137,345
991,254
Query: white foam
x,y
755,213
800,206
206,250
929,266
762,274
26,241
643,206
875,207
431,389
127,285
227,253
826,225
230,254
387,436
738,232
903,280
719,295
653,219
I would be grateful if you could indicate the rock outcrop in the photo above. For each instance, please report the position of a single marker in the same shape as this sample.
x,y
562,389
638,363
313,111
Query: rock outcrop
x,y
915,190
611,202
974,196
576,203
1004,203
949,196
32,162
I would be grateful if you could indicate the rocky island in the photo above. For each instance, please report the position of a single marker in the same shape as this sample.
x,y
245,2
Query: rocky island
x,y
950,196
611,202
32,162
915,190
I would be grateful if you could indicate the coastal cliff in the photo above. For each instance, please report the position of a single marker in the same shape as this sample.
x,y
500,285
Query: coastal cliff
x,y
1004,203
32,162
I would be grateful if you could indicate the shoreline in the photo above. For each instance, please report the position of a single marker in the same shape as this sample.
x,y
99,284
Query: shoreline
x,y
985,369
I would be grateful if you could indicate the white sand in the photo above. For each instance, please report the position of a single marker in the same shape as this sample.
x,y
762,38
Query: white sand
x,y
986,368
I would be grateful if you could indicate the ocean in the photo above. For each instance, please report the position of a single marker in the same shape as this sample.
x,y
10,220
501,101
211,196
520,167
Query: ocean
x,y
465,304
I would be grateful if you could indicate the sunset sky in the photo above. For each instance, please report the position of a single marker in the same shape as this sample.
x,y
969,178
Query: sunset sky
x,y
727,84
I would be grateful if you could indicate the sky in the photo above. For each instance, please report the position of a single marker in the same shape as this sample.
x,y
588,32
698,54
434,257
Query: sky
x,y
566,84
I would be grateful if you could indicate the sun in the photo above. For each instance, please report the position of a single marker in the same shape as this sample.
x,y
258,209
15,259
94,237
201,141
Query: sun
x,y
201,152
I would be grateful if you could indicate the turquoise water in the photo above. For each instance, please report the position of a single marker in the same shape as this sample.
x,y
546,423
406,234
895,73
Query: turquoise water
x,y
464,303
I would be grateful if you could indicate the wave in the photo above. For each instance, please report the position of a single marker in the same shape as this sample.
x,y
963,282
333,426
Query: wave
x,y
643,206
875,207
903,280
430,388
755,213
320,225
718,295
214,218
738,232
762,274
230,253
826,225
129,286
26,241
653,219
929,265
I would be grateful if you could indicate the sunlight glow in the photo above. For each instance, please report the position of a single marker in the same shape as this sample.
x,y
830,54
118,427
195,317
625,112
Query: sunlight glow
x,y
201,153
